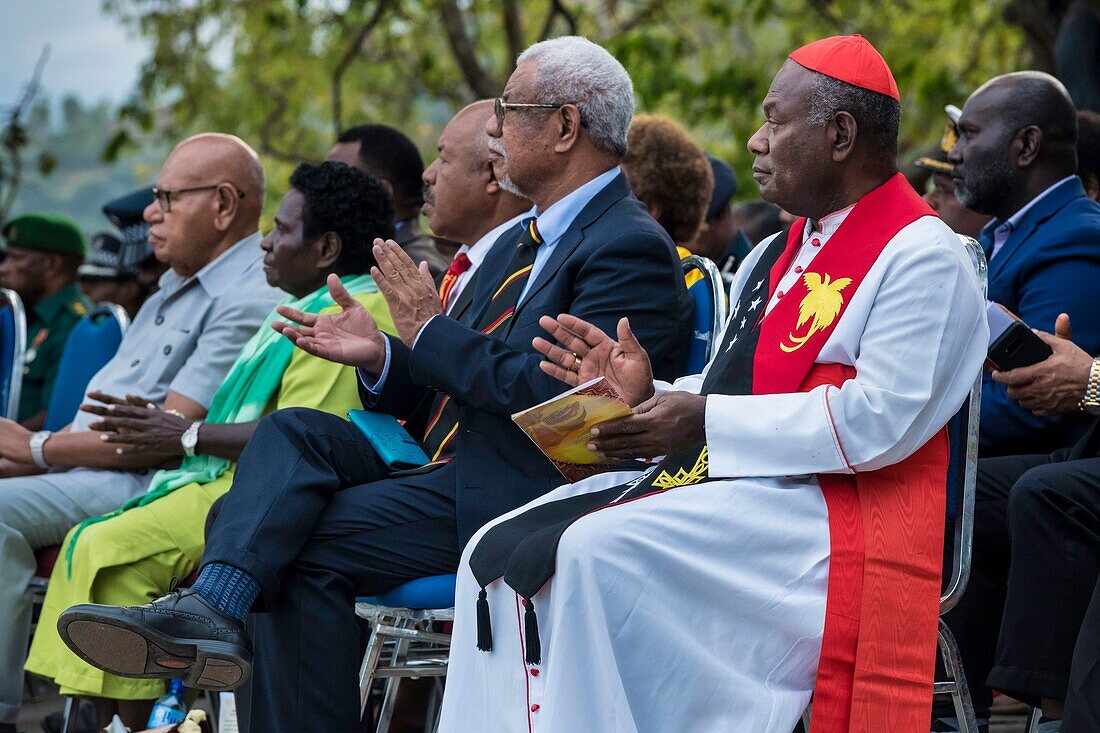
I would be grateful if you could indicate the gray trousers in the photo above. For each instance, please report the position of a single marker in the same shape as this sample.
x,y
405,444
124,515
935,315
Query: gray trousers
x,y
36,512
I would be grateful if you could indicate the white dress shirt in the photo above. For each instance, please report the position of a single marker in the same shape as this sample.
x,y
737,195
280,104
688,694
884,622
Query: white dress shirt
x,y
477,252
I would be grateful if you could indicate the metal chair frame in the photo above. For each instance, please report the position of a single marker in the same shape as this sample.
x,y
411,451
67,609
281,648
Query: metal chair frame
x,y
717,292
114,309
39,586
955,685
403,646
19,351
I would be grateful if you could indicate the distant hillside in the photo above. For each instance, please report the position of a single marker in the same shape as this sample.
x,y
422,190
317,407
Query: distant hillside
x,y
76,135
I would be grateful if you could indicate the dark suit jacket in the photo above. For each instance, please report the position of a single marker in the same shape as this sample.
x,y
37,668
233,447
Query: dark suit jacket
x,y
1049,264
613,261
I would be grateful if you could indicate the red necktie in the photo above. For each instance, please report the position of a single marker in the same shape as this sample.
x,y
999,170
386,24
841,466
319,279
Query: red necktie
x,y
460,264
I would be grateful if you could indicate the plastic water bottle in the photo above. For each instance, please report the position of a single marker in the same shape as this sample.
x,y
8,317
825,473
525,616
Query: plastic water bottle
x,y
169,708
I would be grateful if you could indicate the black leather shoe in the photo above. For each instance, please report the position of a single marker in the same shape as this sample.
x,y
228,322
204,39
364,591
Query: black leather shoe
x,y
178,636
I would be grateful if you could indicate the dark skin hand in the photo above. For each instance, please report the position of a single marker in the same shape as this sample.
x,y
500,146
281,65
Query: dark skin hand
x,y
623,363
410,291
1055,385
661,424
139,427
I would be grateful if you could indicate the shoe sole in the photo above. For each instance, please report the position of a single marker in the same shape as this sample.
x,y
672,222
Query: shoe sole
x,y
130,650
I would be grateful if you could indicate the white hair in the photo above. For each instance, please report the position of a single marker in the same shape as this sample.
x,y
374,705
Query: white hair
x,y
573,70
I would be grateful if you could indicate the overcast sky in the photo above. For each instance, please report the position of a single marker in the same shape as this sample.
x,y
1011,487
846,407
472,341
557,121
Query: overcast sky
x,y
91,55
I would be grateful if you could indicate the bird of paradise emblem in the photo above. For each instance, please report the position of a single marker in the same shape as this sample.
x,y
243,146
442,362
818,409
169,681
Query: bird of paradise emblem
x,y
819,308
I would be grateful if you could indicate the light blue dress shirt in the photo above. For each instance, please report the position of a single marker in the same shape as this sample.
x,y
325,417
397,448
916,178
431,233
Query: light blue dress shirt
x,y
552,225
187,335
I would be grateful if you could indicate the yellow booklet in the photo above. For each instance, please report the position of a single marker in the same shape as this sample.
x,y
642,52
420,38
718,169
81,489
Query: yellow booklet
x,y
561,427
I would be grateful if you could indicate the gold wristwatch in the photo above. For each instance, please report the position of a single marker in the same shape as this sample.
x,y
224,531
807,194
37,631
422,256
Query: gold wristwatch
x,y
1090,403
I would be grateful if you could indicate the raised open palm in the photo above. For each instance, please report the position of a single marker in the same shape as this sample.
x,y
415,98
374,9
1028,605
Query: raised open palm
x,y
349,336
624,363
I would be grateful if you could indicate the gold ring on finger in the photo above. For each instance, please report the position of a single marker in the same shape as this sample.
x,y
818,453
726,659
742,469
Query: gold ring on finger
x,y
576,363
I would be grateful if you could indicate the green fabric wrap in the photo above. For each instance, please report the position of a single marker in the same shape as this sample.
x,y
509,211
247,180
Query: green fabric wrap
x,y
252,382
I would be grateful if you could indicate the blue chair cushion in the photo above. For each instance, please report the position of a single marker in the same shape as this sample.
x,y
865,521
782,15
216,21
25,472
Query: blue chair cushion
x,y
92,343
438,591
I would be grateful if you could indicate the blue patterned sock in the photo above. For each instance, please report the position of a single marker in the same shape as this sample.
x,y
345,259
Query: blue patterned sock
x,y
228,589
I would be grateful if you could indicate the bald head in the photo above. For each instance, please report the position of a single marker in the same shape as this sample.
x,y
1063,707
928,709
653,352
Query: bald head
x,y
1026,98
214,157
469,124
1017,137
210,193
463,198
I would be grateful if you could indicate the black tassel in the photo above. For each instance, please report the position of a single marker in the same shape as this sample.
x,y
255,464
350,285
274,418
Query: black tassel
x,y
484,625
531,633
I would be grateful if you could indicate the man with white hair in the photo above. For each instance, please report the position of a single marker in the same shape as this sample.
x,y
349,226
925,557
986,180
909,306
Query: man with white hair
x,y
789,540
313,518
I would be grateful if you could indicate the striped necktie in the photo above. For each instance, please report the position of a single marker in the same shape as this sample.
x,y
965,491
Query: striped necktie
x,y
506,296
443,418
460,264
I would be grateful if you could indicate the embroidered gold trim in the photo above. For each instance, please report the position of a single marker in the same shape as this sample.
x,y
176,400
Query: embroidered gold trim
x,y
682,477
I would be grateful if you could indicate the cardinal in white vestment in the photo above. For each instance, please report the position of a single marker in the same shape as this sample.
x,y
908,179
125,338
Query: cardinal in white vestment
x,y
789,541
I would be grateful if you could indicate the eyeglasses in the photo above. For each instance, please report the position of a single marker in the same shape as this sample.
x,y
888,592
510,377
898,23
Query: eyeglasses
x,y
500,108
164,195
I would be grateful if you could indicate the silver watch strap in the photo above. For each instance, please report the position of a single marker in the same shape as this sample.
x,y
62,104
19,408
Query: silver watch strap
x,y
38,441
190,439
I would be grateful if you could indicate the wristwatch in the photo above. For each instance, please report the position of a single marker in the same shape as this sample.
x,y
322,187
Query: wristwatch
x,y
38,440
1090,403
190,439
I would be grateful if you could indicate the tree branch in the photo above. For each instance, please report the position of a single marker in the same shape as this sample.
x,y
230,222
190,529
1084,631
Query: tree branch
x,y
513,28
644,15
557,7
479,81
1040,28
266,129
15,138
349,55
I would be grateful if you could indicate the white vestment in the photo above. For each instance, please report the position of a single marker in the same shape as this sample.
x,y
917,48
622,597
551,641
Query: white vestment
x,y
702,608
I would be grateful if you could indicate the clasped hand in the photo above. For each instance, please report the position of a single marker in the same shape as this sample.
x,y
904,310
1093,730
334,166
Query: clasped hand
x,y
137,425
351,336
661,423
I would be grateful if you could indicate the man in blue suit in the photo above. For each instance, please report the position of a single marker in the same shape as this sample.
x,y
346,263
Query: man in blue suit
x,y
1016,159
312,521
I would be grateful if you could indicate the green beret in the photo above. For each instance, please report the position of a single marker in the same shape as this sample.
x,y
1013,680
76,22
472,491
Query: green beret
x,y
45,233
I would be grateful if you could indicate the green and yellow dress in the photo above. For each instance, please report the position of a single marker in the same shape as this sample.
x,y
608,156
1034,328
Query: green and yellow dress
x,y
131,557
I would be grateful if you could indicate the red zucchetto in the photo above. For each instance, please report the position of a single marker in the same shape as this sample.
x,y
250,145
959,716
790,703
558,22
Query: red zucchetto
x,y
850,59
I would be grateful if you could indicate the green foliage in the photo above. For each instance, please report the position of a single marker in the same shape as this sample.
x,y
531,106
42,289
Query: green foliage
x,y
286,75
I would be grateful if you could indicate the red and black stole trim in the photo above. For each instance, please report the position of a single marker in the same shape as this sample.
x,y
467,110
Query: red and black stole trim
x,y
871,649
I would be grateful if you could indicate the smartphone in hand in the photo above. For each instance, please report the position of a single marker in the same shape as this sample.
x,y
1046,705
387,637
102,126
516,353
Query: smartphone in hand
x,y
1012,343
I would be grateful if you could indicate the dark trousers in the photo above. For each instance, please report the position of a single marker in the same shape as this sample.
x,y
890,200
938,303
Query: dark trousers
x,y
1036,560
1083,699
313,517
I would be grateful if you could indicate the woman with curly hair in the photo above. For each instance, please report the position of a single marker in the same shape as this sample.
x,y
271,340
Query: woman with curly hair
x,y
671,175
325,226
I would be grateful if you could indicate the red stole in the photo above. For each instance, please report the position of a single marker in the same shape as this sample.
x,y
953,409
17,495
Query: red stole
x,y
886,526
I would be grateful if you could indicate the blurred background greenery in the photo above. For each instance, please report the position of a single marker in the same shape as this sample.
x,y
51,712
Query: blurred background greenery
x,y
287,75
